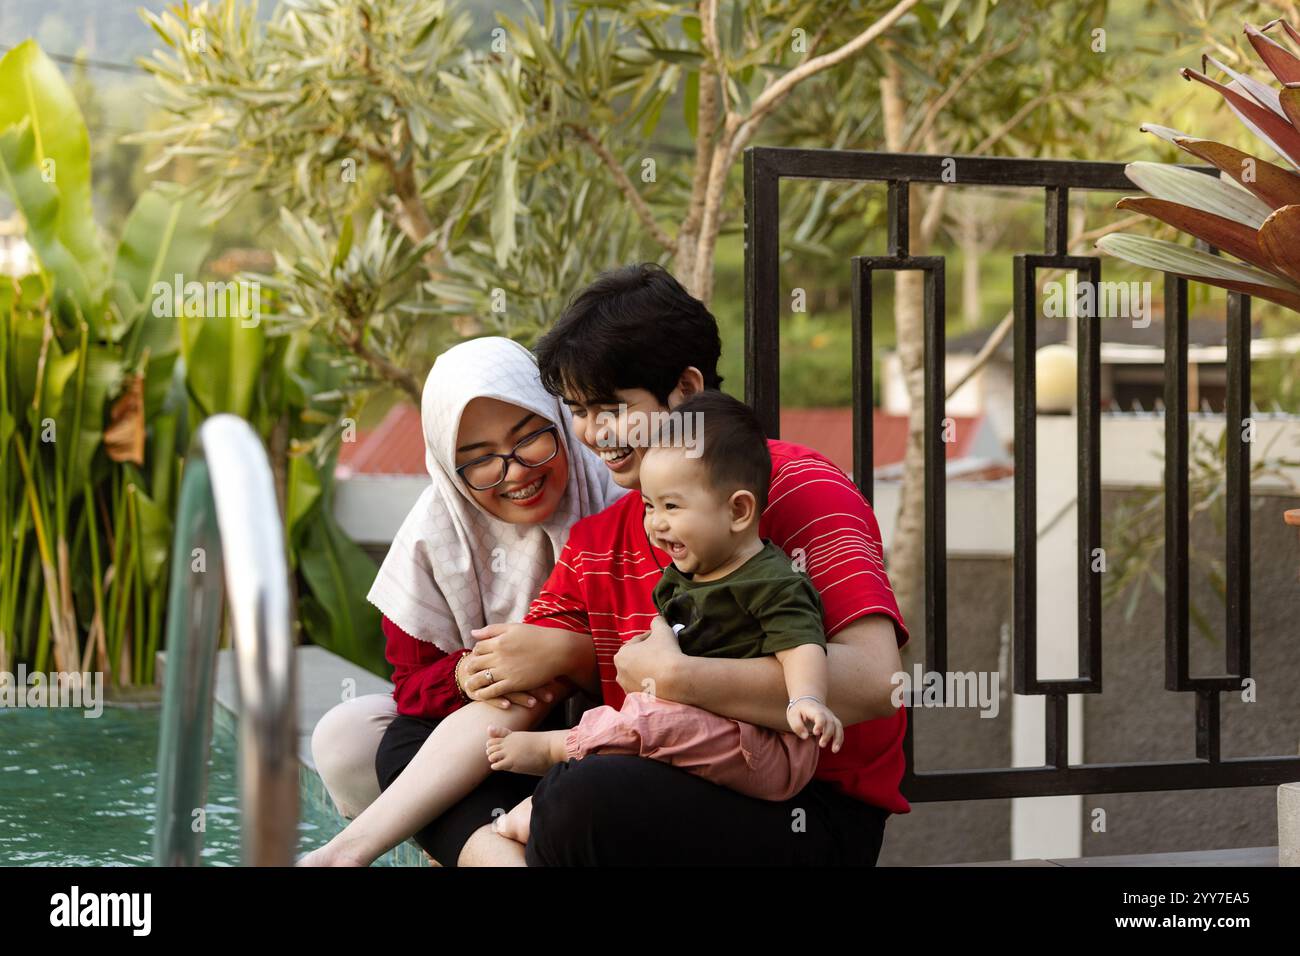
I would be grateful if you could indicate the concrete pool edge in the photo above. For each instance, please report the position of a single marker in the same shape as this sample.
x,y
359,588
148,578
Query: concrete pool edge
x,y
322,677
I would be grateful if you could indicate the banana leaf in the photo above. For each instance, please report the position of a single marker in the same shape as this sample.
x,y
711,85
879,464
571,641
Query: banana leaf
x,y
38,201
163,237
32,87
155,536
303,493
336,614
103,375
29,336
223,358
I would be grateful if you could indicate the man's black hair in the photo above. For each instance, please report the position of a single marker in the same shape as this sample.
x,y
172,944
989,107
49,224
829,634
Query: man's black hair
x,y
633,327
733,446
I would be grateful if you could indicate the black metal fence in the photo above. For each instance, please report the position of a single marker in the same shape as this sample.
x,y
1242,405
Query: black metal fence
x,y
765,168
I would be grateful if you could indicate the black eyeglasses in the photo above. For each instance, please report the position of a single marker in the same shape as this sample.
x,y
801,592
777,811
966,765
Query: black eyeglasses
x,y
532,450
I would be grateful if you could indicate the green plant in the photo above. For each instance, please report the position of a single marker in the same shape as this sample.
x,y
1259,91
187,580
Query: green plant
x,y
585,134
105,370
582,134
1252,210
84,365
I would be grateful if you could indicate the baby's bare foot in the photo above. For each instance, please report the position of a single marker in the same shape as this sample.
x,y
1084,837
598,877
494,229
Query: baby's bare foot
x,y
514,825
525,752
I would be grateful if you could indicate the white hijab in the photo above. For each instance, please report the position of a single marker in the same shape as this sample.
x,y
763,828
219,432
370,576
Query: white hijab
x,y
452,565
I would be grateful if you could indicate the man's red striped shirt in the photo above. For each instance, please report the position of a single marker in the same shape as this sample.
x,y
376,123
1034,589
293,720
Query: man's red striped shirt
x,y
604,578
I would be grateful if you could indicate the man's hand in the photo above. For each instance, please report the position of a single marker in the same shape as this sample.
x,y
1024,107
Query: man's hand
x,y
546,694
644,663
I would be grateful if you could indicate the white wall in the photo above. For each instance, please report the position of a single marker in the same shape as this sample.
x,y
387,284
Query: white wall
x,y
370,508
980,521
969,400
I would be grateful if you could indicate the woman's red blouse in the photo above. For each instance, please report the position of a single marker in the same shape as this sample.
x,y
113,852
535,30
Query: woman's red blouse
x,y
424,678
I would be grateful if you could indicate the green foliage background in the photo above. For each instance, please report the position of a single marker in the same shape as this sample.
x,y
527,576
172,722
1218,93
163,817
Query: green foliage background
x,y
495,151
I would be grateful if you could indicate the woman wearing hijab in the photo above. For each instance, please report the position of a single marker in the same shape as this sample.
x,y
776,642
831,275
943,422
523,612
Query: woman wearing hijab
x,y
508,480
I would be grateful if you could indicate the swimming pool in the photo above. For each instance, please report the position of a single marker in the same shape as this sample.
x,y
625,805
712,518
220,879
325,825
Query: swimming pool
x,y
79,792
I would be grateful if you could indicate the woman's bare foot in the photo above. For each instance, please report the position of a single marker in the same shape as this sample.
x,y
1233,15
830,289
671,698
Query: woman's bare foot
x,y
514,825
525,752
331,854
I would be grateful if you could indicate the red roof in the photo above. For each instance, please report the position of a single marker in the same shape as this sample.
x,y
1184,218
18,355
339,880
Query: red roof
x,y
830,431
396,446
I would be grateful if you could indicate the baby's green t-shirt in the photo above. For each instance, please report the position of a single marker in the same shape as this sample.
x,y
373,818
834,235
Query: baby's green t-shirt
x,y
762,607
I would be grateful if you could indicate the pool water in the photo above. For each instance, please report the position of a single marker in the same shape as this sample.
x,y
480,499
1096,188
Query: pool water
x,y
81,792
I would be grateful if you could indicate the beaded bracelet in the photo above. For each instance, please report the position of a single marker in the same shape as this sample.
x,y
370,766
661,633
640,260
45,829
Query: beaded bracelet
x,y
455,673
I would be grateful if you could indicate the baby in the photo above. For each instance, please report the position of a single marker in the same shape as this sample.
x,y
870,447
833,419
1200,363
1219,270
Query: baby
x,y
727,593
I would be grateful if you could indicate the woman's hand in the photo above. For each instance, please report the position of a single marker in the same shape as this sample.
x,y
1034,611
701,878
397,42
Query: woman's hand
x,y
519,658
645,663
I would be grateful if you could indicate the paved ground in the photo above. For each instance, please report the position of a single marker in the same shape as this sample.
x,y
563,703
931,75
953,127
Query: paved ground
x,y
1246,856
321,680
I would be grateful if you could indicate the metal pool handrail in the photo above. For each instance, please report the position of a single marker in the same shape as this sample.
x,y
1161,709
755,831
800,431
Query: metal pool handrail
x,y
228,544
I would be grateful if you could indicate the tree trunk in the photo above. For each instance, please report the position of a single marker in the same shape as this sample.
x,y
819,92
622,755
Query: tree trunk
x,y
972,306
907,553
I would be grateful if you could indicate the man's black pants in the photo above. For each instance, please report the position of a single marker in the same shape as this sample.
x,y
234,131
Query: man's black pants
x,y
621,811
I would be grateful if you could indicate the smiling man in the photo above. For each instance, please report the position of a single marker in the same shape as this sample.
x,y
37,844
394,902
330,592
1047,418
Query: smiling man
x,y
635,343
631,346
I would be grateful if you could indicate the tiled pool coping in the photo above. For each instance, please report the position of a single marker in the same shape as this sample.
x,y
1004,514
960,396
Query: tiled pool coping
x,y
321,677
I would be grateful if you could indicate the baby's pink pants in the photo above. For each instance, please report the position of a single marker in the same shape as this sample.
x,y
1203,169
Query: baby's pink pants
x,y
755,761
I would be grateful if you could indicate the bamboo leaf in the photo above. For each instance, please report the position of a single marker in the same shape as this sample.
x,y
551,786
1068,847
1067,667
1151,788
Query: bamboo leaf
x,y
689,58
975,25
505,207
